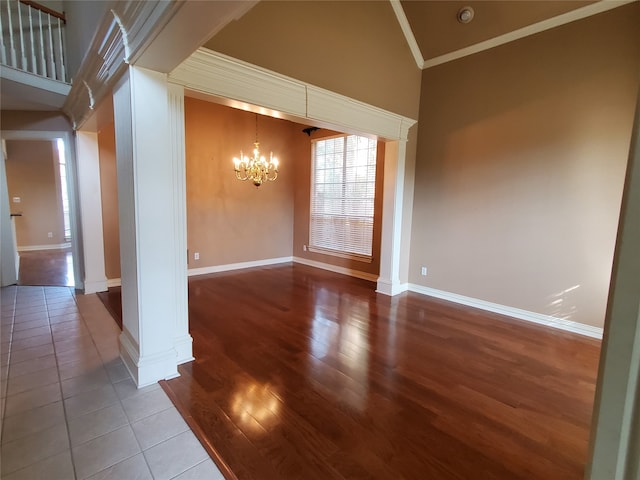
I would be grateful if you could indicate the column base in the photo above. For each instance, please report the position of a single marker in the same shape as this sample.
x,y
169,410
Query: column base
x,y
387,287
149,369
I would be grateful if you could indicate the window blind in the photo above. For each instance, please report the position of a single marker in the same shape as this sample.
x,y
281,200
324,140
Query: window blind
x,y
343,188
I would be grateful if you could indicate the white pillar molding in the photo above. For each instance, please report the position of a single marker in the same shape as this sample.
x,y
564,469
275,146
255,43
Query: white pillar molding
x,y
182,339
88,167
390,251
148,213
615,433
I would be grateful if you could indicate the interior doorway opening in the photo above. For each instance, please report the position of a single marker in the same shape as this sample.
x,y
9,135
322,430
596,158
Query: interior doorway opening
x,y
39,181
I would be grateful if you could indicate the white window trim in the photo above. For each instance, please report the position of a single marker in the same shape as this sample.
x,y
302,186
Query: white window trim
x,y
359,257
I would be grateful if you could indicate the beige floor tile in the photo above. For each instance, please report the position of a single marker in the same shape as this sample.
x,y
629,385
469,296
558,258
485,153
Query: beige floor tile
x,y
92,425
204,470
32,352
132,468
32,332
90,401
32,421
31,342
33,448
159,427
22,383
138,407
83,367
34,398
175,456
33,365
104,452
127,388
57,467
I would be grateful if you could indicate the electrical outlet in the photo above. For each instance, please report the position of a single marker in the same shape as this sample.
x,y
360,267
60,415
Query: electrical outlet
x,y
423,271
304,247
50,234
16,199
196,255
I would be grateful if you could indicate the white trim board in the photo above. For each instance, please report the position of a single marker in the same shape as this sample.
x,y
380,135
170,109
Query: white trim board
x,y
32,248
237,266
274,261
337,269
548,24
243,84
547,320
114,282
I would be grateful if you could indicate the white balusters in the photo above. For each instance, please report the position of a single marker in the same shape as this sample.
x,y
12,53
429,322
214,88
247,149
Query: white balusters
x,y
43,61
34,67
32,39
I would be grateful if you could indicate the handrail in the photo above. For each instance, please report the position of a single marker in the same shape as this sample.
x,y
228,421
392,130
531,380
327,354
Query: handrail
x,y
44,9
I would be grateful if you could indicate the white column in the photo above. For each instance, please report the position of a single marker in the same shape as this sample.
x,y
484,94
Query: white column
x,y
88,168
150,215
390,251
182,339
615,452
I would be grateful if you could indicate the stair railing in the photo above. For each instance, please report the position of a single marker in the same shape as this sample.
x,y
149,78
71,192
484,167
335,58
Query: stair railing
x,y
32,38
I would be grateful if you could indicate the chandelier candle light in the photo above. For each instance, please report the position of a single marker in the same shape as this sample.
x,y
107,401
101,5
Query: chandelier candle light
x,y
257,168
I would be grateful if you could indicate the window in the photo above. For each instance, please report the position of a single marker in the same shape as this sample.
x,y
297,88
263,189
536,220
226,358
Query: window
x,y
343,185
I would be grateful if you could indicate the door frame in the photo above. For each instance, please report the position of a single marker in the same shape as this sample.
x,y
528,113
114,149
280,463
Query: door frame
x,y
72,186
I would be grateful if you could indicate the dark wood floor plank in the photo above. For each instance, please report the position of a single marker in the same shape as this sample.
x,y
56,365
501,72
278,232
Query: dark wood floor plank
x,y
46,267
303,374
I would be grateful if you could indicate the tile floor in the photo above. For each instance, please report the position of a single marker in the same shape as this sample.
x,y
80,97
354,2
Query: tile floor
x,y
69,407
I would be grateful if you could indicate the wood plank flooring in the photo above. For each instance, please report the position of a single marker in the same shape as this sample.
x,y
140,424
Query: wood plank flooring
x,y
46,267
306,374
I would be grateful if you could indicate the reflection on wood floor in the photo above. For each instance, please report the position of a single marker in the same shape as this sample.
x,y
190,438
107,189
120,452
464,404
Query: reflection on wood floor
x,y
46,267
305,374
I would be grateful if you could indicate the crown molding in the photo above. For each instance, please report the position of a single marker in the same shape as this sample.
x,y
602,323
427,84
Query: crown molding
x,y
245,86
408,32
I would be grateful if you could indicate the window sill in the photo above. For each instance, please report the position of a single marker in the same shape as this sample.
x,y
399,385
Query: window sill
x,y
351,256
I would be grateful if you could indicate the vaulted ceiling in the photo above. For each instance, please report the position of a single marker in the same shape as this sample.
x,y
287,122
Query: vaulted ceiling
x,y
437,30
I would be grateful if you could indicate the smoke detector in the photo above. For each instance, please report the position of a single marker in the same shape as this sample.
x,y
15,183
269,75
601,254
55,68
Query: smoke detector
x,y
465,14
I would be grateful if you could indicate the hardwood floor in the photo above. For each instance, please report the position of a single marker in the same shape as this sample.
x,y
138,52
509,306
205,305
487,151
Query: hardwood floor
x,y
46,267
306,374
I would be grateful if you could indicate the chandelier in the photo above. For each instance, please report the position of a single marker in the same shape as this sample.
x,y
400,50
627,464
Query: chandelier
x,y
257,168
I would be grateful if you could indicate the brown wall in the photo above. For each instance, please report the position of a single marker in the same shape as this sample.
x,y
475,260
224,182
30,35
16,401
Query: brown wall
x,y
42,121
302,208
356,49
109,195
31,175
229,221
520,167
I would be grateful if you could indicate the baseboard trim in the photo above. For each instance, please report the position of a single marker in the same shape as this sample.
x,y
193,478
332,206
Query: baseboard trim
x,y
114,282
526,315
391,289
94,286
337,269
32,248
237,266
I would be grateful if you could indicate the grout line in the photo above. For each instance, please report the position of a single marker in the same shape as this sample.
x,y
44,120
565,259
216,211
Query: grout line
x,y
8,366
64,406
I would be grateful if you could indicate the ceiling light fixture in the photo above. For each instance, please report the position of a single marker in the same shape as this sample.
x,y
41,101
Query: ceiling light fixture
x,y
465,14
257,168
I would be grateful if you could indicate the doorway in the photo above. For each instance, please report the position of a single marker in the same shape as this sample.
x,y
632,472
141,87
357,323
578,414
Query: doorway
x,y
39,193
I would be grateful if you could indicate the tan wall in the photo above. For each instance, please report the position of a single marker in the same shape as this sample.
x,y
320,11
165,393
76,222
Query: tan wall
x,y
520,167
356,49
42,121
229,221
109,196
31,175
302,208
